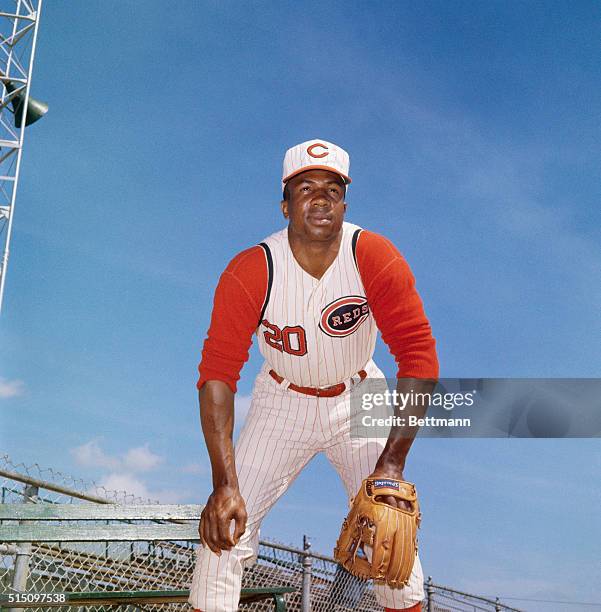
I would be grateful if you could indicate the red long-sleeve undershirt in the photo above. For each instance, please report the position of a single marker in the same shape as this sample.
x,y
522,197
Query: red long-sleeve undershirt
x,y
390,292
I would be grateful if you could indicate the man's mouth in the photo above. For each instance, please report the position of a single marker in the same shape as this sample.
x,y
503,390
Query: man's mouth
x,y
320,219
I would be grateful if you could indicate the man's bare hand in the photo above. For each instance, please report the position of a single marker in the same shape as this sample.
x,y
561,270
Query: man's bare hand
x,y
225,504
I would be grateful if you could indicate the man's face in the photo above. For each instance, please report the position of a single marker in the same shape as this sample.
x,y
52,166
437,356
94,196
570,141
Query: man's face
x,y
315,204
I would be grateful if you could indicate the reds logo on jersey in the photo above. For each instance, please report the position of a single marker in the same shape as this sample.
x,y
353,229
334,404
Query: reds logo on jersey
x,y
343,316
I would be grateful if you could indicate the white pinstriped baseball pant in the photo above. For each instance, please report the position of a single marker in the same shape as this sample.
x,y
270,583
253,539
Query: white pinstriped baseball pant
x,y
283,431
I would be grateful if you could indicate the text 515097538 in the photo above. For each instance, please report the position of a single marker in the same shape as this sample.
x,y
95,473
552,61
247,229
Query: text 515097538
x,y
41,598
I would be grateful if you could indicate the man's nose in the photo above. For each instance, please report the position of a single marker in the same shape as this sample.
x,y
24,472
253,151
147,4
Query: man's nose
x,y
321,199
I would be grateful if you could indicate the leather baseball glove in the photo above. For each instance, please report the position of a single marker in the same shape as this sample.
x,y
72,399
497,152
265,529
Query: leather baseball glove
x,y
378,541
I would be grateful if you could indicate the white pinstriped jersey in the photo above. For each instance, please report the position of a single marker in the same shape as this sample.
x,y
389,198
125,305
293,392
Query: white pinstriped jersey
x,y
315,333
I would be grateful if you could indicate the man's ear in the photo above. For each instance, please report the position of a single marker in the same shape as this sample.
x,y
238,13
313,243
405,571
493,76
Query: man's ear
x,y
344,206
284,205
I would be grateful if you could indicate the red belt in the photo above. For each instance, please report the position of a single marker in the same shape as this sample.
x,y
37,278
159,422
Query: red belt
x,y
332,391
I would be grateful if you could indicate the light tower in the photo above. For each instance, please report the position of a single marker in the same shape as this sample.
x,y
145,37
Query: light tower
x,y
19,20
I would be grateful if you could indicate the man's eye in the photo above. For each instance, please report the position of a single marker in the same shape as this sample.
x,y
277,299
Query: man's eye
x,y
334,190
304,188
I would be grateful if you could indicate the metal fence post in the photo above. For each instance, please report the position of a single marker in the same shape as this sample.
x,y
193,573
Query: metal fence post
x,y
307,563
429,595
23,553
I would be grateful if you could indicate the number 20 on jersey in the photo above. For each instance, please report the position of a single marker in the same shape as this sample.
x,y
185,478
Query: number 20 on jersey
x,y
290,339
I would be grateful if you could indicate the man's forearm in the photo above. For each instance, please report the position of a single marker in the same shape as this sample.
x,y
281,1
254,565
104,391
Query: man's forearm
x,y
217,420
401,437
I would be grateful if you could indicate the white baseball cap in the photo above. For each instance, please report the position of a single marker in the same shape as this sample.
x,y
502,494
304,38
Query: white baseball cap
x,y
315,154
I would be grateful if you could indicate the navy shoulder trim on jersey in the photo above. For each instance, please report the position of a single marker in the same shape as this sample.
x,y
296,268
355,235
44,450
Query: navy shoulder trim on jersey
x,y
269,259
354,244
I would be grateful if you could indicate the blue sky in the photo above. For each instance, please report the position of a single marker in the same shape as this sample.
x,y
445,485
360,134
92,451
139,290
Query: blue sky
x,y
473,130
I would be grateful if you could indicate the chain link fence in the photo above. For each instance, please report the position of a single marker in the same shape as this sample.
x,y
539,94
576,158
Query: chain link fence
x,y
322,585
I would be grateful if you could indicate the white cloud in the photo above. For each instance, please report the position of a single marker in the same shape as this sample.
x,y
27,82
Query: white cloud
x,y
171,496
141,459
125,482
137,459
91,455
132,485
11,388
195,468
123,471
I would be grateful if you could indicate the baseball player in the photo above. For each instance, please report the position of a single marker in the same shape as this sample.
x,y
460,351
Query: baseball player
x,y
315,295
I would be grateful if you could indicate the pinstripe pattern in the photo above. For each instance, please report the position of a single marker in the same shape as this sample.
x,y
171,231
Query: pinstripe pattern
x,y
297,298
284,429
282,433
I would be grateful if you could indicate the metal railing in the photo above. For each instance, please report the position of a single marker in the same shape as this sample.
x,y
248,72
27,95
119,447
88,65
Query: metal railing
x,y
322,585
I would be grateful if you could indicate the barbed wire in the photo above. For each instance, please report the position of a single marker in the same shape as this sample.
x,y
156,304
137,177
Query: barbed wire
x,y
168,565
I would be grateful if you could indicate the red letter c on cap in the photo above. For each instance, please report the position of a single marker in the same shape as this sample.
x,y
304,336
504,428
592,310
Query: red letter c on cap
x,y
317,155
